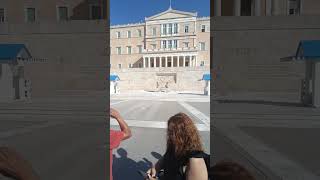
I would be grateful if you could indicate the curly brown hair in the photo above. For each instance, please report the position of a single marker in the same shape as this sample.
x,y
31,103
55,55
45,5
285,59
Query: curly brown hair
x,y
229,170
182,135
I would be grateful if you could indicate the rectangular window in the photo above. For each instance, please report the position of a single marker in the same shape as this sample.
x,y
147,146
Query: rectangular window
x,y
247,7
164,29
164,44
95,12
170,44
186,44
140,48
170,28
186,29
119,66
31,15
202,46
2,15
175,28
175,43
129,34
293,7
203,28
129,49
63,13
154,31
119,50
139,33
118,35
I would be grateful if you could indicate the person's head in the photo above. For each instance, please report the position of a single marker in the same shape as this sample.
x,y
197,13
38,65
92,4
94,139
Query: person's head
x,y
182,135
228,170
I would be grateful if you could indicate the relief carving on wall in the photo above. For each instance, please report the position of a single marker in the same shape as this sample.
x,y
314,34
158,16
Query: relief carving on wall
x,y
165,81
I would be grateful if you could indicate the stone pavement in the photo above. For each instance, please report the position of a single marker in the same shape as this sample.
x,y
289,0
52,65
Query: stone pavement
x,y
147,115
277,135
162,96
62,137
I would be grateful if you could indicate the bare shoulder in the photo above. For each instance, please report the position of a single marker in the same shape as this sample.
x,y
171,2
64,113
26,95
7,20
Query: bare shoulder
x,y
196,161
197,169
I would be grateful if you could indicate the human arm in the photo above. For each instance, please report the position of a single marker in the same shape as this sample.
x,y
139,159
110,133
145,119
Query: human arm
x,y
196,169
123,125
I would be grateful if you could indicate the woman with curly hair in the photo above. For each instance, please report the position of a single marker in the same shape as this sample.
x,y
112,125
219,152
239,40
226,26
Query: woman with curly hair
x,y
184,157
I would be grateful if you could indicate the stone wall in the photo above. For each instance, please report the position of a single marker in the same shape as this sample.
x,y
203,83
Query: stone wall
x,y
248,51
46,11
75,51
179,79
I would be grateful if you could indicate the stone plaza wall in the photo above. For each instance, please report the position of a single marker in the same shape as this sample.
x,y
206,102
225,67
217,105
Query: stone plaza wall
x,y
154,79
248,52
75,51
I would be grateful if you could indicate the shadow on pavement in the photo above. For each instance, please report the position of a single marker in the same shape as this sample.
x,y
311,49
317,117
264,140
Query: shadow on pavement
x,y
274,103
126,168
156,155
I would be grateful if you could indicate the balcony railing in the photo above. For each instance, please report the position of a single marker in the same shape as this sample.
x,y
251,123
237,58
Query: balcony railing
x,y
169,49
162,69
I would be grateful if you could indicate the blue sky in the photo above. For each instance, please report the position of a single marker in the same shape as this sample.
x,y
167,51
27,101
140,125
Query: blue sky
x,y
133,11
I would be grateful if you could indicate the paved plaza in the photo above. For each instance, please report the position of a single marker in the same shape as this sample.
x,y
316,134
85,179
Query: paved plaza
x,y
277,136
65,137
147,115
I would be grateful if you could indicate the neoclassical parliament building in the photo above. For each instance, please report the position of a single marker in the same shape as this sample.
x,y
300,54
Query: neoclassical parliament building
x,y
165,49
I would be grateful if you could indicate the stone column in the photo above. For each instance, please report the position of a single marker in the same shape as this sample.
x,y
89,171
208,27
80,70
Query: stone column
x,y
268,7
149,62
257,7
144,62
154,62
217,7
191,61
178,61
184,61
171,61
195,61
237,7
275,7
166,65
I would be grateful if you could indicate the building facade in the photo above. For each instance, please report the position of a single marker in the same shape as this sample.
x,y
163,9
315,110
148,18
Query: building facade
x,y
265,7
169,42
248,47
37,11
71,35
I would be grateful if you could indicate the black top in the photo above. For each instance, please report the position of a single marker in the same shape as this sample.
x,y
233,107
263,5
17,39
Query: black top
x,y
173,166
